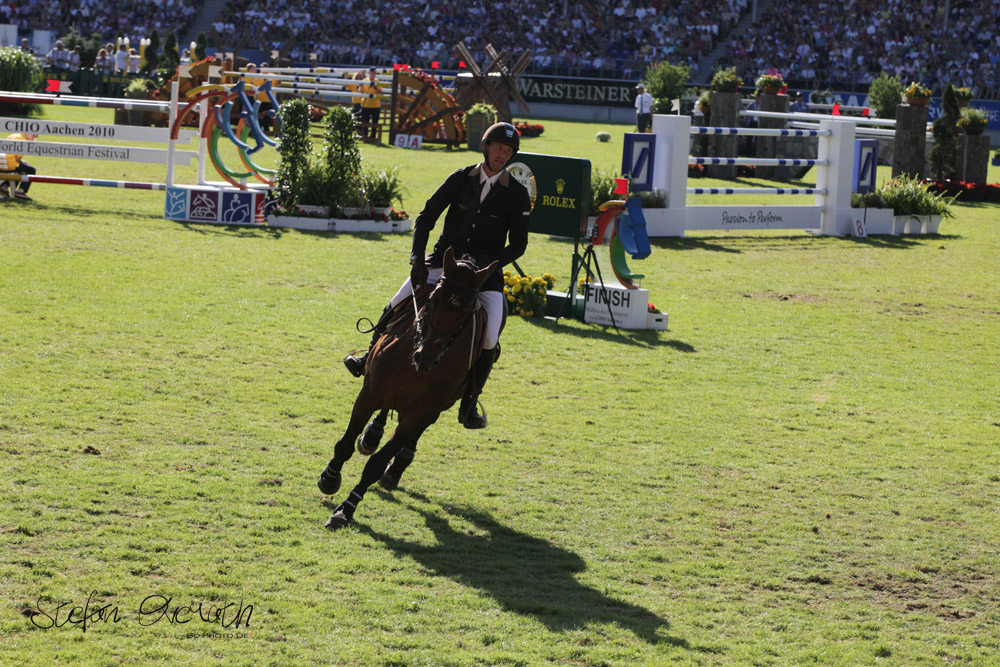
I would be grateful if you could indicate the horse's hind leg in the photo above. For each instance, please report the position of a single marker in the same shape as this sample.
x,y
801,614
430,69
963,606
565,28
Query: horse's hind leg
x,y
369,440
329,479
394,471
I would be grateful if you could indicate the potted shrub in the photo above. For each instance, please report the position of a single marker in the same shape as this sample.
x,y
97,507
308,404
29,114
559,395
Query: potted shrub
x,y
916,208
917,94
478,118
770,83
973,121
963,96
137,89
726,81
381,187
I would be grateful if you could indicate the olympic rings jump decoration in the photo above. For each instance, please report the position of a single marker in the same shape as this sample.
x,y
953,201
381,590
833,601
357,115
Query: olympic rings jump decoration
x,y
217,123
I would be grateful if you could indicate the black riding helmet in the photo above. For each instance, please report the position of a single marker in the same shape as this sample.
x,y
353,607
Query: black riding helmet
x,y
503,133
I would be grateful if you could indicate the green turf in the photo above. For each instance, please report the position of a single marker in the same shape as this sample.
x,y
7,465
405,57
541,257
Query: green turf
x,y
802,470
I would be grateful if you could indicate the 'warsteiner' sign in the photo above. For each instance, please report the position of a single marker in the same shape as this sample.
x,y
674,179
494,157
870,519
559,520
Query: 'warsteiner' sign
x,y
559,188
559,90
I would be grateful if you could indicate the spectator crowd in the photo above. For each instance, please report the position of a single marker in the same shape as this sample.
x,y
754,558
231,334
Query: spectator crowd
x,y
134,18
838,42
841,44
616,39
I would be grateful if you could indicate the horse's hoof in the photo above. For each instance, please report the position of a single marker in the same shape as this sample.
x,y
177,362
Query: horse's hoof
x,y
369,441
337,521
388,482
329,481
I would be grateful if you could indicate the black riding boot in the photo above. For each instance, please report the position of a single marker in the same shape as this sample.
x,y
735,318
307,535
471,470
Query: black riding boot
x,y
356,365
467,413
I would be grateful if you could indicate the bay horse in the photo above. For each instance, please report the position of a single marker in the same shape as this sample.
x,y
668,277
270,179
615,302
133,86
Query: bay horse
x,y
419,369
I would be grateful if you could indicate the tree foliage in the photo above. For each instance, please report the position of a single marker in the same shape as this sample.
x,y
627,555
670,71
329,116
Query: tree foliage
x,y
19,72
884,95
666,82
293,150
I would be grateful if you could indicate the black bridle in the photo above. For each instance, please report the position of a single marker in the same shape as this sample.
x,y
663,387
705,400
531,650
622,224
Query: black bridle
x,y
443,341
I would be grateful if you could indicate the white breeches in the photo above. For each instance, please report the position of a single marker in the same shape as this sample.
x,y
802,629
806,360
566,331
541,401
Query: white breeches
x,y
492,302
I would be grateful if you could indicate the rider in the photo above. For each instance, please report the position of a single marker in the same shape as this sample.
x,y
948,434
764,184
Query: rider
x,y
487,220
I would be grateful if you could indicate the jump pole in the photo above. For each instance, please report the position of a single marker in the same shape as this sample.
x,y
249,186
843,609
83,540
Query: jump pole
x,y
830,214
91,182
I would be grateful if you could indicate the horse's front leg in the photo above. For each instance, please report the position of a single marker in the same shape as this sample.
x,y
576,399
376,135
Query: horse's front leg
x,y
405,436
364,406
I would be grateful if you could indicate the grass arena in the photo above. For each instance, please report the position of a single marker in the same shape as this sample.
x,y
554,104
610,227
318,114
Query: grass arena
x,y
802,470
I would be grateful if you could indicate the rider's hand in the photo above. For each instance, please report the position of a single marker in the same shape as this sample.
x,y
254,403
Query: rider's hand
x,y
418,274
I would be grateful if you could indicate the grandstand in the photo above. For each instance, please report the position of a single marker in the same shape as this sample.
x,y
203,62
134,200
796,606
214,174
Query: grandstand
x,y
837,44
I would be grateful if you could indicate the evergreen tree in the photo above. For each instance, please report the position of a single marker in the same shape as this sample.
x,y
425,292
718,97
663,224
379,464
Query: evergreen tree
x,y
171,56
944,153
200,46
151,53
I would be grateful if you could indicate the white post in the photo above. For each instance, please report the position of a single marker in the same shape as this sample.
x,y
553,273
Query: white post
x,y
835,178
670,170
202,142
171,143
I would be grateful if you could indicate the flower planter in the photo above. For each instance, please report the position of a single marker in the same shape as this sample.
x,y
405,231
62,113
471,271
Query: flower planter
x,y
297,222
657,321
339,225
931,224
320,211
918,101
916,224
876,220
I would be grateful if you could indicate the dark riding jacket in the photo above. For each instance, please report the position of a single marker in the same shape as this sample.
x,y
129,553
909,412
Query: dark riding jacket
x,y
497,229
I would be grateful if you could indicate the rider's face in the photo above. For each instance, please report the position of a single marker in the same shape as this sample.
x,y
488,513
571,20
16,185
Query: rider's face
x,y
497,156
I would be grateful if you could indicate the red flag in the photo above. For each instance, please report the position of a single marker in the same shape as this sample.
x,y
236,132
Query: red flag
x,y
57,86
435,64
621,186
836,109
864,112
461,63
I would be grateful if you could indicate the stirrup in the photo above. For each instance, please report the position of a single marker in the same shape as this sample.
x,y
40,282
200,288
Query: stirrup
x,y
471,413
355,362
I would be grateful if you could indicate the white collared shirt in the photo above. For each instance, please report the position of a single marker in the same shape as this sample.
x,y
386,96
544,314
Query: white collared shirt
x,y
487,182
644,103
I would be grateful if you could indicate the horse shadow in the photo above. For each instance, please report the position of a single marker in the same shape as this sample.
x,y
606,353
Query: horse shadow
x,y
524,574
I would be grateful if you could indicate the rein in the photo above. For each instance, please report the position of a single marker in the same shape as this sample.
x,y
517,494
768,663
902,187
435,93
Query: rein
x,y
443,341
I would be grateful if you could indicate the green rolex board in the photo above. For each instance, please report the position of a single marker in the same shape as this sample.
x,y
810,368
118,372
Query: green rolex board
x,y
559,188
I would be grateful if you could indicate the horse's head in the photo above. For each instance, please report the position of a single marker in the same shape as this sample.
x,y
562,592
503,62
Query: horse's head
x,y
448,310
